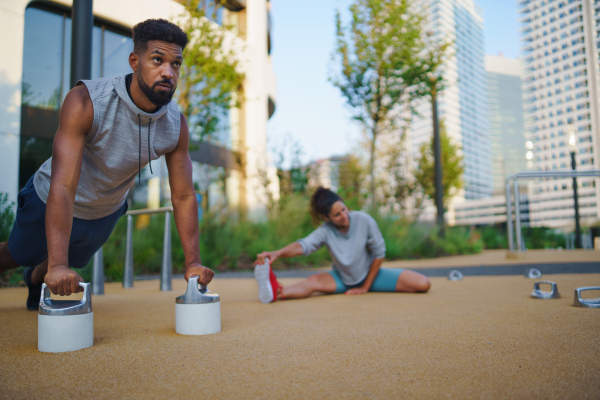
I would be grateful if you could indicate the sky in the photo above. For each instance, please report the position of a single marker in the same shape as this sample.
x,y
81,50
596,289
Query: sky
x,y
309,109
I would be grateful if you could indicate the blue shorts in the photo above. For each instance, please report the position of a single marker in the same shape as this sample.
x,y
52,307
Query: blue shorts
x,y
385,281
27,242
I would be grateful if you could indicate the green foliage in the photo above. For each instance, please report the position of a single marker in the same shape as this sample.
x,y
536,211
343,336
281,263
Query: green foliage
x,y
494,238
351,178
379,55
209,74
535,238
452,168
543,238
7,217
406,240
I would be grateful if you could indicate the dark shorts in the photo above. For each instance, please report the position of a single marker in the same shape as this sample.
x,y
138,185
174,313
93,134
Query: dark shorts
x,y
27,242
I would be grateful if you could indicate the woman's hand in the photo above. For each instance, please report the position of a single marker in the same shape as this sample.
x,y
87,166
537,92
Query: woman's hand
x,y
357,290
260,258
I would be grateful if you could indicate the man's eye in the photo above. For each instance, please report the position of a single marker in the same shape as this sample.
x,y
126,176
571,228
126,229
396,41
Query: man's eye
x,y
177,64
157,59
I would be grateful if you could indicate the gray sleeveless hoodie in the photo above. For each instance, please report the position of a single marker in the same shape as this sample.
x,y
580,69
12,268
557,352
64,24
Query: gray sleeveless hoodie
x,y
122,140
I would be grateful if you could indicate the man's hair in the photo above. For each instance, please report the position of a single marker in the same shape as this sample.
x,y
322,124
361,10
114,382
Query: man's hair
x,y
157,29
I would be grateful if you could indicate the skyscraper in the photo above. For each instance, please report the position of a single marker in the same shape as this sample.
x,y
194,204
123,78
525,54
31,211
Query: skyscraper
x,y
560,96
463,104
506,119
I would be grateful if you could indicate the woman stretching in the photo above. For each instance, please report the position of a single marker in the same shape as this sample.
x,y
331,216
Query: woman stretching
x,y
356,247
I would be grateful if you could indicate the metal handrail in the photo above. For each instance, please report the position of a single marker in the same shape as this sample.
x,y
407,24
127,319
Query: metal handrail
x,y
166,273
532,174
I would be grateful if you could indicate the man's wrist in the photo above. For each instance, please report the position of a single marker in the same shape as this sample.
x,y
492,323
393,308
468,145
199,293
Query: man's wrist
x,y
194,264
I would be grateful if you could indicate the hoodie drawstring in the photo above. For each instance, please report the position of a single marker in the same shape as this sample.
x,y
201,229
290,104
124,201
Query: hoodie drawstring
x,y
140,149
149,159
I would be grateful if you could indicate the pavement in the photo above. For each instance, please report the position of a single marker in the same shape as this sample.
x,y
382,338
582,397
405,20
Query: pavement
x,y
481,337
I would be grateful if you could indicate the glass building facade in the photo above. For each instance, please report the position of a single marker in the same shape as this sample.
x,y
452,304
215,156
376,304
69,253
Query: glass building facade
x,y
560,41
463,105
507,132
46,76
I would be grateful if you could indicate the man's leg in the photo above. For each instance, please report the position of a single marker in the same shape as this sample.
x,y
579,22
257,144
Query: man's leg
x,y
322,282
412,282
6,260
39,272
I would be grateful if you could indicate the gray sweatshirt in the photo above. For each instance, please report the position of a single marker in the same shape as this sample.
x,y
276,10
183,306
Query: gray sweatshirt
x,y
352,252
122,140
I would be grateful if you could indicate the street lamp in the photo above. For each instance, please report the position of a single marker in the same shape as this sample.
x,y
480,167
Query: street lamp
x,y
573,147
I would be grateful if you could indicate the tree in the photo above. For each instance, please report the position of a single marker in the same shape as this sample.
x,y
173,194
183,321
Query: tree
x,y
210,81
381,67
351,177
452,167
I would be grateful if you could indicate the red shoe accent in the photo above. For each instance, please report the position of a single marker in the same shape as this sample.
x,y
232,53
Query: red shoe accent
x,y
275,284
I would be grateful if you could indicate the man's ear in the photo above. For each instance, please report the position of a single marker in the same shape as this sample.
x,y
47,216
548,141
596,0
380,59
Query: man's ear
x,y
134,60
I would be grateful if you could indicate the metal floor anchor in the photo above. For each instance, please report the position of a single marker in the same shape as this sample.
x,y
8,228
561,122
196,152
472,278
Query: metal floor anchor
x,y
533,273
540,294
455,275
587,303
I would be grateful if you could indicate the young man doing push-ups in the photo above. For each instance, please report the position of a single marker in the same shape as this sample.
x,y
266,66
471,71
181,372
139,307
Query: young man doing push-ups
x,y
109,129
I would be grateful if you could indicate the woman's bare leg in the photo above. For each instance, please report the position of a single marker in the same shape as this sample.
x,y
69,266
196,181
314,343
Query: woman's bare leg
x,y
412,282
322,282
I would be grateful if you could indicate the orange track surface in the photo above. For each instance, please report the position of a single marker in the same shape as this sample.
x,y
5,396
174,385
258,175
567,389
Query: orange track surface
x,y
482,337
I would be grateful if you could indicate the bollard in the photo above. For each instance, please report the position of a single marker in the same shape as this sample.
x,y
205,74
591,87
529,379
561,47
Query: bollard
x,y
166,273
128,273
518,233
509,226
98,273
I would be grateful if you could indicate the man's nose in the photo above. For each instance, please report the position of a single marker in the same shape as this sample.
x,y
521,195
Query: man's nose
x,y
167,71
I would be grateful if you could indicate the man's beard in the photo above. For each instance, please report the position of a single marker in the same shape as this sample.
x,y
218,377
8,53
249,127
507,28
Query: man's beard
x,y
158,97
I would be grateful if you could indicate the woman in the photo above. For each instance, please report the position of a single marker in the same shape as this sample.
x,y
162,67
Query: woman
x,y
356,247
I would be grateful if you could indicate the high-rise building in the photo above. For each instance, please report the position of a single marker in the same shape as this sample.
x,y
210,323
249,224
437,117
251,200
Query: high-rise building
x,y
506,119
463,104
560,96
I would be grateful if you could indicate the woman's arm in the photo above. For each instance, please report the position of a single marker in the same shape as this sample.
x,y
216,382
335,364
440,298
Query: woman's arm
x,y
373,271
291,250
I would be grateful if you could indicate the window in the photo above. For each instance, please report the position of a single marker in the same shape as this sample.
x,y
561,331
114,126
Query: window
x,y
46,76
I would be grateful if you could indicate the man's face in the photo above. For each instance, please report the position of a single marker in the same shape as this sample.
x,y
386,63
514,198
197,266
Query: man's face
x,y
158,69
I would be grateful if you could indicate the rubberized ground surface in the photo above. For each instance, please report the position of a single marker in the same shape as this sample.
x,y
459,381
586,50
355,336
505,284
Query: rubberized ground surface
x,y
482,337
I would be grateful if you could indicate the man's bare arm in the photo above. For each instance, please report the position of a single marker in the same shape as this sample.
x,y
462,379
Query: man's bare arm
x,y
185,205
76,118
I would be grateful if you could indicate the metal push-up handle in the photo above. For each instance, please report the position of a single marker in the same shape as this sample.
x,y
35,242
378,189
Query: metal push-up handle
x,y
540,294
587,303
455,275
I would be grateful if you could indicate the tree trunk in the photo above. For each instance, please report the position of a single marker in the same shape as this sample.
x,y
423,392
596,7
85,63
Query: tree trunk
x,y
372,167
437,153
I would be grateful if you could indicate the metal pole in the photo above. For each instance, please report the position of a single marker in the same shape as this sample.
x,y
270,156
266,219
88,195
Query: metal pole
x,y
128,273
98,273
166,273
81,40
437,150
518,215
509,227
578,243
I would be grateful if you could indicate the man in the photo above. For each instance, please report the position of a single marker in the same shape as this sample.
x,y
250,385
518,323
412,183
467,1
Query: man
x,y
108,130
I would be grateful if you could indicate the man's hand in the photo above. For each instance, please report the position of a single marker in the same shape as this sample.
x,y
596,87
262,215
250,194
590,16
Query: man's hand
x,y
260,258
357,290
63,281
204,274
